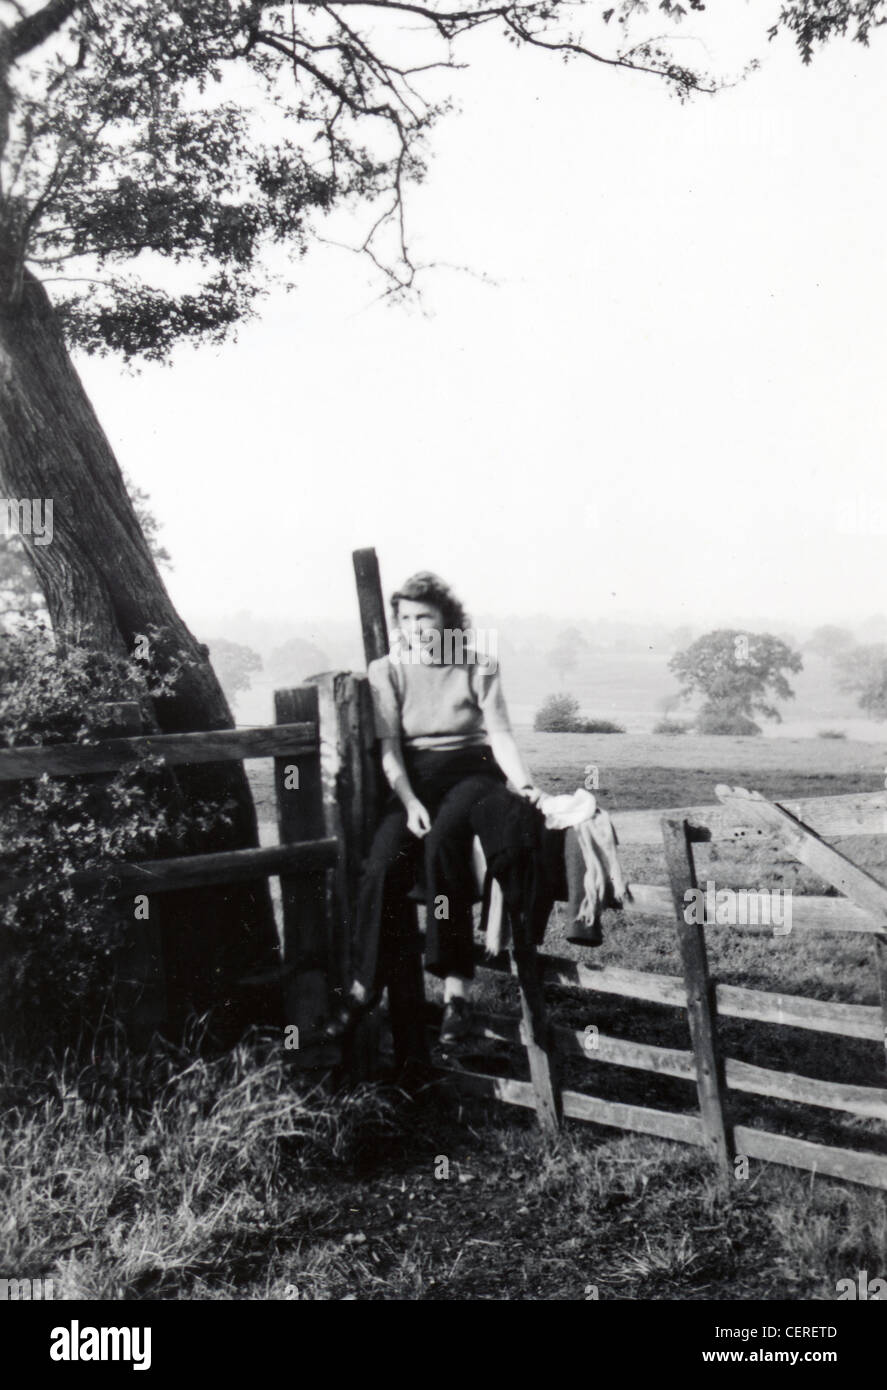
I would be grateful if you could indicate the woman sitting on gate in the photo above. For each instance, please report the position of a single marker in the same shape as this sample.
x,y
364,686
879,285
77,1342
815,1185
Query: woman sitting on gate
x,y
447,746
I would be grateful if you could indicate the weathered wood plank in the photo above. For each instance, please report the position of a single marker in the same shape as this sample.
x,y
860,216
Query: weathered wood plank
x,y
371,603
852,1166
300,817
198,870
790,1010
808,846
810,912
535,1030
344,771
795,1011
862,813
406,987
341,790
868,1101
867,1169
663,1124
110,754
701,1011
881,969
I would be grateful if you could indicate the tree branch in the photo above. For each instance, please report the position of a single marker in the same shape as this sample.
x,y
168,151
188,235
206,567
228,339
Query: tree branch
x,y
36,28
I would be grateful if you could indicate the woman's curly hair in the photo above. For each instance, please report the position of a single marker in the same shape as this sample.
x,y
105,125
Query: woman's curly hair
x,y
425,587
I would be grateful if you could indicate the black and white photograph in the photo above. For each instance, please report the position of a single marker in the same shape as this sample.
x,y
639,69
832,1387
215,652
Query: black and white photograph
x,y
443,672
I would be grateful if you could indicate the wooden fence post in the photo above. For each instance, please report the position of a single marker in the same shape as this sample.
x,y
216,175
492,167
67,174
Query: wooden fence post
x,y
406,988
350,799
677,837
535,1031
141,985
881,967
300,816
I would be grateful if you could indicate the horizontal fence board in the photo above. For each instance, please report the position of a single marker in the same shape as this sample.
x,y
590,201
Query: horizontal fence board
x,y
794,1011
848,1164
852,1166
790,1010
199,870
862,813
809,911
109,755
868,1101
687,1129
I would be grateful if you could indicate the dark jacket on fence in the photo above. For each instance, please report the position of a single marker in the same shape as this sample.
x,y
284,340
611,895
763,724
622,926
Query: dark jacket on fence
x,y
526,860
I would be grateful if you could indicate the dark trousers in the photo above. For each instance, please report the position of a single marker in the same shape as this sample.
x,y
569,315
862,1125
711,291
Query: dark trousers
x,y
449,785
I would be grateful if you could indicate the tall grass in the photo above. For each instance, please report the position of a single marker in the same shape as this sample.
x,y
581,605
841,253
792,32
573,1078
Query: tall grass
x,y
130,1177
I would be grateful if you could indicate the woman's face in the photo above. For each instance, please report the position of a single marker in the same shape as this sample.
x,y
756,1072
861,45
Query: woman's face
x,y
415,618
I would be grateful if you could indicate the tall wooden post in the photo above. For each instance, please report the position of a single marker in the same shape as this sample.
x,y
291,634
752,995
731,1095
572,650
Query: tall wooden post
x,y
406,988
881,968
677,837
300,816
348,780
535,1030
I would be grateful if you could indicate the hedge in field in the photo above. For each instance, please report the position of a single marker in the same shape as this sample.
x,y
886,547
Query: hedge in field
x,y
559,714
718,721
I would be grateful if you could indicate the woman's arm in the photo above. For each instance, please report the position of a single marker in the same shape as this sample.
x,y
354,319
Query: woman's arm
x,y
394,768
508,756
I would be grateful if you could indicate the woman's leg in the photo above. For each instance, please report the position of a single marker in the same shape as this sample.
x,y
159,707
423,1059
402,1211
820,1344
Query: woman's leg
x,y
388,875
450,883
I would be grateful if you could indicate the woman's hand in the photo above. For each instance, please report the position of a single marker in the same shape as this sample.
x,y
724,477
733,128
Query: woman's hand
x,y
418,819
532,794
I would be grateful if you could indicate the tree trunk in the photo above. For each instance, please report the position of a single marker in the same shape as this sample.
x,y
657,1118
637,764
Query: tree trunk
x,y
103,589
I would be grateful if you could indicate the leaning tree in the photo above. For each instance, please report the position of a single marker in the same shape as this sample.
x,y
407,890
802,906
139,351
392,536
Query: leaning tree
x,y
152,154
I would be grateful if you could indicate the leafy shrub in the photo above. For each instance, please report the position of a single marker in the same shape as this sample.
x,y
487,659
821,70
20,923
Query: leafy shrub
x,y
725,721
672,726
557,715
831,733
57,968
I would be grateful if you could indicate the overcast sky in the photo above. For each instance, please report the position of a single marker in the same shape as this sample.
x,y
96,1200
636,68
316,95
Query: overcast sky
x,y
669,404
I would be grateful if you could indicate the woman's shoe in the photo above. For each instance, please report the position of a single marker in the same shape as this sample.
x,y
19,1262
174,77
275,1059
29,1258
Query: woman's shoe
x,y
458,1021
344,1019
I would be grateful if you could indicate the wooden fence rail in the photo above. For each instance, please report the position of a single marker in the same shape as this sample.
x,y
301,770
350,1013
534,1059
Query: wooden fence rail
x,y
197,870
863,813
112,754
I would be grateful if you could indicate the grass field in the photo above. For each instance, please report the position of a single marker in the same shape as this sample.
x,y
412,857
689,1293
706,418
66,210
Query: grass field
x,y
175,1177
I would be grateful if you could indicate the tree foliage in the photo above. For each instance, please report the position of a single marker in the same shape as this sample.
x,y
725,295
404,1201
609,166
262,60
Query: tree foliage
x,y
863,673
234,664
562,656
830,641
813,23
153,153
737,673
558,714
295,660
